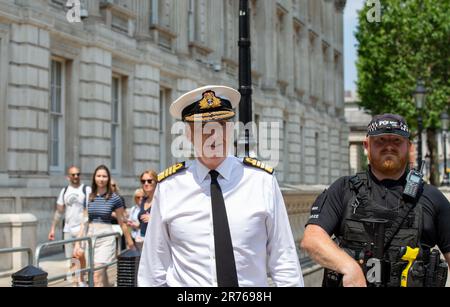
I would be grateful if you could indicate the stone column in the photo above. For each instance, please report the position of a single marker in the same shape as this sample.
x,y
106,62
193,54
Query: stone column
x,y
4,62
320,70
340,5
270,53
181,9
324,149
215,37
72,141
95,107
335,152
272,153
294,146
309,150
93,7
304,62
289,55
146,118
18,230
28,100
329,76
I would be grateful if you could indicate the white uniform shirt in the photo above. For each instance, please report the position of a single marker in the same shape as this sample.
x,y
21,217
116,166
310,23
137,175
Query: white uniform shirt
x,y
179,246
74,201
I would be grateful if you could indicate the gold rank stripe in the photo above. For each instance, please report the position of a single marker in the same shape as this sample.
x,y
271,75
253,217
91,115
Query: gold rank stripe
x,y
171,171
258,164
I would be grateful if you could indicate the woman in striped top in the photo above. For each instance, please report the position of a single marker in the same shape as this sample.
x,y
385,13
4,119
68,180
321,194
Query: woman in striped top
x,y
102,202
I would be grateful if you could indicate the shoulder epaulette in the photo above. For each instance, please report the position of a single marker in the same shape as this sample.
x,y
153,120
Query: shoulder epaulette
x,y
176,168
258,164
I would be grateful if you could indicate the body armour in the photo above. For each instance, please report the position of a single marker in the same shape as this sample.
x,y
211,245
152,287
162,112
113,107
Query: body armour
x,y
371,232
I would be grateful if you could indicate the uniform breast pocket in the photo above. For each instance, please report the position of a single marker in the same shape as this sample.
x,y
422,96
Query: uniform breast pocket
x,y
354,231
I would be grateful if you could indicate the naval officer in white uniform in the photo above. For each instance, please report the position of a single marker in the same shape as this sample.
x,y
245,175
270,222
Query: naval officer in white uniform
x,y
217,220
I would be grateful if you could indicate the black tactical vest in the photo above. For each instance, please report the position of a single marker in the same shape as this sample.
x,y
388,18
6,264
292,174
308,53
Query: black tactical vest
x,y
370,230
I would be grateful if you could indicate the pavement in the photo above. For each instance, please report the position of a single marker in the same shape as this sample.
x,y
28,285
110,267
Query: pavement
x,y
55,265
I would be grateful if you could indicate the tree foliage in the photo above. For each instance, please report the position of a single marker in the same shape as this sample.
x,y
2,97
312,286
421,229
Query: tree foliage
x,y
411,41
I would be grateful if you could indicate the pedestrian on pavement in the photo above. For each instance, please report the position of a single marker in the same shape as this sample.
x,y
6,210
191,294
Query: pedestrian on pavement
x,y
115,224
69,206
133,219
148,180
386,220
218,220
97,221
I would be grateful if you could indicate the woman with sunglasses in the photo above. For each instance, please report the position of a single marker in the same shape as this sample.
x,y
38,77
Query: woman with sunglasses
x,y
148,181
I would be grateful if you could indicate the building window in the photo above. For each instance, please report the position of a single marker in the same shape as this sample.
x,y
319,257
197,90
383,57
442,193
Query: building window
x,y
153,12
162,23
116,94
191,21
198,29
281,49
56,129
59,2
164,129
197,22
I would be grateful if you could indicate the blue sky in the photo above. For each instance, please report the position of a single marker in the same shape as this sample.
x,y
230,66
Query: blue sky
x,y
350,23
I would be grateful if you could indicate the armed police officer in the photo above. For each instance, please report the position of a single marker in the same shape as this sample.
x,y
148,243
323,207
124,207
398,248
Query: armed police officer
x,y
385,221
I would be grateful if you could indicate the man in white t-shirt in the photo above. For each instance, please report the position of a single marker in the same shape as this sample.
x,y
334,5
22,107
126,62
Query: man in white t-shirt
x,y
70,205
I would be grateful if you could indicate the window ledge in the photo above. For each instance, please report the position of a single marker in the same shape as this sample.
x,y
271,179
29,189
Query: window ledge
x,y
163,30
118,10
200,48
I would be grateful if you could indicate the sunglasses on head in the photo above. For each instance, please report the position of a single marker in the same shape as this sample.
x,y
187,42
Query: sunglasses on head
x,y
75,175
144,181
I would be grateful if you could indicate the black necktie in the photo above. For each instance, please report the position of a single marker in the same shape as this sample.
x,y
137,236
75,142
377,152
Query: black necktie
x,y
225,264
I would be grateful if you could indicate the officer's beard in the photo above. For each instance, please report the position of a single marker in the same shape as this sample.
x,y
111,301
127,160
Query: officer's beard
x,y
392,164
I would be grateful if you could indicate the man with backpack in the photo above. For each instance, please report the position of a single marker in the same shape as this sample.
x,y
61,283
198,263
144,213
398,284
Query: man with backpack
x,y
69,206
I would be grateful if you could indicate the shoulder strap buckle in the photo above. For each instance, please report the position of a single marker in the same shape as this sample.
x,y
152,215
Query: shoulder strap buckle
x,y
359,180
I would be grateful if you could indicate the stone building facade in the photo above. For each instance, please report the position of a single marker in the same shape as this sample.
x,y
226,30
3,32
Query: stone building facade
x,y
98,91
357,120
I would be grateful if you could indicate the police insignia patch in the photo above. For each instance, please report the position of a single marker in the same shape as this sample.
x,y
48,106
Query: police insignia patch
x,y
171,171
258,164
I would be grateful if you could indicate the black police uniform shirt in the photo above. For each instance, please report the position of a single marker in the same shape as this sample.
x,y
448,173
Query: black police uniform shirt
x,y
329,208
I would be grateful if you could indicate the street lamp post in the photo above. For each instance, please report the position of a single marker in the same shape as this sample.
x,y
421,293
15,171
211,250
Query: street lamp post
x,y
419,96
444,120
245,74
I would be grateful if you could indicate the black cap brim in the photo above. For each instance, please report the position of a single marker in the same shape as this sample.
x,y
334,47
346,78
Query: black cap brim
x,y
395,132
